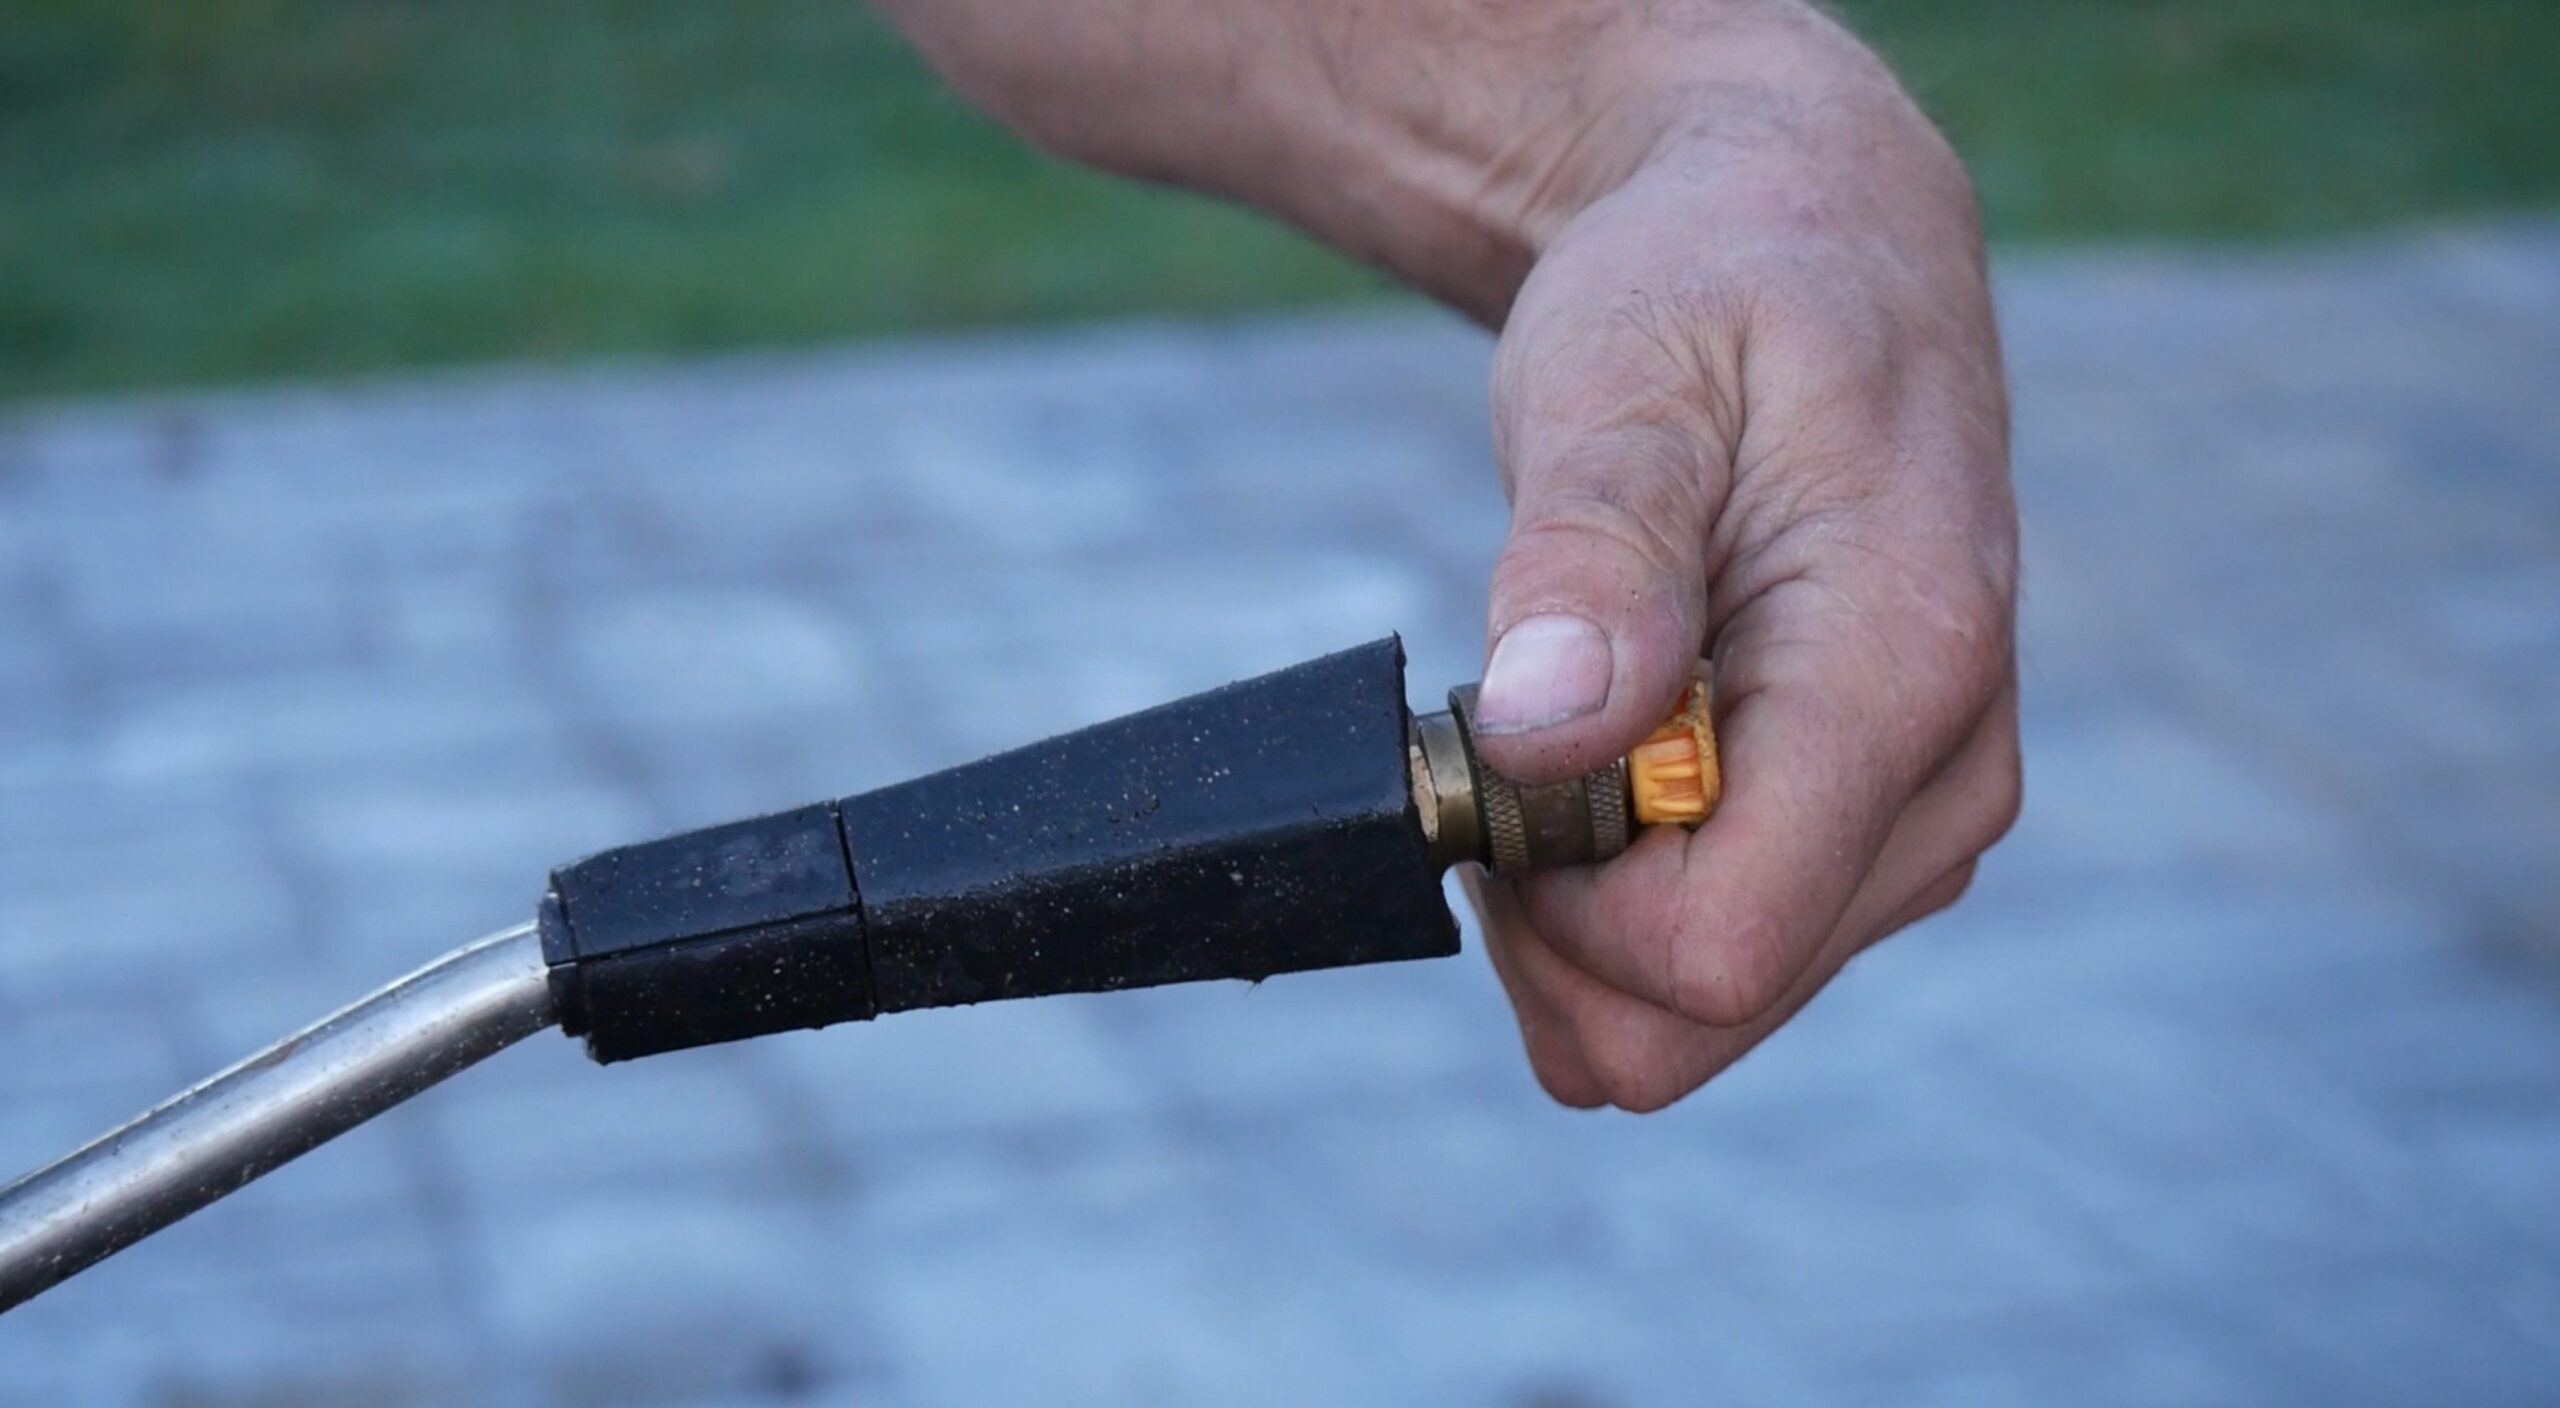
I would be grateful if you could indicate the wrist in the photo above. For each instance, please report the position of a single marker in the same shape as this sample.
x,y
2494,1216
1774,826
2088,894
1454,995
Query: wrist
x,y
1446,144
1460,188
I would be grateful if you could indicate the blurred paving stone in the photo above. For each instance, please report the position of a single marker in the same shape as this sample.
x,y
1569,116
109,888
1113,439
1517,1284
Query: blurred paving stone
x,y
694,1116
327,723
729,1294
2236,1080
1318,1040
967,1069
162,907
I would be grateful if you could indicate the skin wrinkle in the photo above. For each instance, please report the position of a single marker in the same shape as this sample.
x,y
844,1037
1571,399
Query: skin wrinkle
x,y
1639,455
1641,315
1721,121
1609,391
1901,745
1664,413
1550,184
1577,519
1927,734
1333,44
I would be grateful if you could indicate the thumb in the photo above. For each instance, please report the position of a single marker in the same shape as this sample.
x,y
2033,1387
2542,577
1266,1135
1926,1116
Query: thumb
x,y
1599,606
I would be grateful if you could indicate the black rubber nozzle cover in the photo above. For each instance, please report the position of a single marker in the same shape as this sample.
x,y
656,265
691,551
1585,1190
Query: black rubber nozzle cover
x,y
1266,827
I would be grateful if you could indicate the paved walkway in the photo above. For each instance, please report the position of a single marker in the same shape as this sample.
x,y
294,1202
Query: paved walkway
x,y
2238,1081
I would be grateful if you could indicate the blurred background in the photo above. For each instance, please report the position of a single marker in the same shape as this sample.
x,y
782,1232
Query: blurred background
x,y
441,440
241,189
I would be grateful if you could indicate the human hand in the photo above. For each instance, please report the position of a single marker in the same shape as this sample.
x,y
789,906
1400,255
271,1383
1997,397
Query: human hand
x,y
1747,399
1751,399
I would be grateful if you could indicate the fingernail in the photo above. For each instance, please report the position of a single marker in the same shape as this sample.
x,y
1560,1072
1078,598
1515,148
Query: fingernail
x,y
1545,670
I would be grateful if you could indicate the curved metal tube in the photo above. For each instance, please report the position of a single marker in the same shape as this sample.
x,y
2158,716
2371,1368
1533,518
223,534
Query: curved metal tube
x,y
286,1100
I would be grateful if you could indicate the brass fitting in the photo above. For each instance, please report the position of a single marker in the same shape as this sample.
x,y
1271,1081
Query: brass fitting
x,y
1470,812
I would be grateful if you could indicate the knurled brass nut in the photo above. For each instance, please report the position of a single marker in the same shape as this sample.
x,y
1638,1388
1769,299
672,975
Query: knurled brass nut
x,y
1472,812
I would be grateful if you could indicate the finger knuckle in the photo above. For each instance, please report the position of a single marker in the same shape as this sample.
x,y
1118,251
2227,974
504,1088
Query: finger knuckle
x,y
1632,1075
1959,885
1833,309
1959,650
1734,973
2005,798
1940,897
1575,1090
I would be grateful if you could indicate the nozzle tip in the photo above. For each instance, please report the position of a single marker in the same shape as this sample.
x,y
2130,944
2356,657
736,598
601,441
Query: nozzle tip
x,y
1673,776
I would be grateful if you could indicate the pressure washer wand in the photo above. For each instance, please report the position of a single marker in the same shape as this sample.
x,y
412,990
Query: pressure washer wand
x,y
1296,821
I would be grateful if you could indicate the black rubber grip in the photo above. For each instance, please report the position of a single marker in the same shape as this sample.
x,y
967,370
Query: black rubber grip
x,y
1265,827
731,931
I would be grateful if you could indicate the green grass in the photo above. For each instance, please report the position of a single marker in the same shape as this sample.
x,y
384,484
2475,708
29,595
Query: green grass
x,y
2222,118
228,190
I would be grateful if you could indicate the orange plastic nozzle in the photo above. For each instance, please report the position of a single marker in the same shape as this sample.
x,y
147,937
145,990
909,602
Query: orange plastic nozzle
x,y
1673,777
